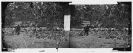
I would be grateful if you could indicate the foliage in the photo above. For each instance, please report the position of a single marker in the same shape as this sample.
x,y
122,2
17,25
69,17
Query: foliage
x,y
115,15
43,14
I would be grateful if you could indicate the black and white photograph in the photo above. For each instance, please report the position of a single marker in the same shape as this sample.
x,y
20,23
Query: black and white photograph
x,y
41,24
101,26
34,25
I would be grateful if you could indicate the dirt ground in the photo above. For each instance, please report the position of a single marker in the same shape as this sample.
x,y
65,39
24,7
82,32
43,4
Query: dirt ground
x,y
95,40
48,39
70,39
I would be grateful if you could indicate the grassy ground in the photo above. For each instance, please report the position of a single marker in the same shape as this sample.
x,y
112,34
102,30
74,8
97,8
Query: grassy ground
x,y
41,39
98,39
61,39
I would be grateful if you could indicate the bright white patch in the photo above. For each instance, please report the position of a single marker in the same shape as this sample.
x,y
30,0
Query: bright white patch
x,y
67,22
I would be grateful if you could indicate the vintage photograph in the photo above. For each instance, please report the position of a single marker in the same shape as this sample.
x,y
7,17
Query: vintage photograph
x,y
34,25
43,25
101,26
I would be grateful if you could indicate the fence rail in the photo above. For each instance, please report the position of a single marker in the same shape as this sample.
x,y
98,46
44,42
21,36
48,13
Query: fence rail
x,y
72,29
101,29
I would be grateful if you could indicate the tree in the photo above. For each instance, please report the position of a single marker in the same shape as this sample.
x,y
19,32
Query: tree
x,y
41,14
108,16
